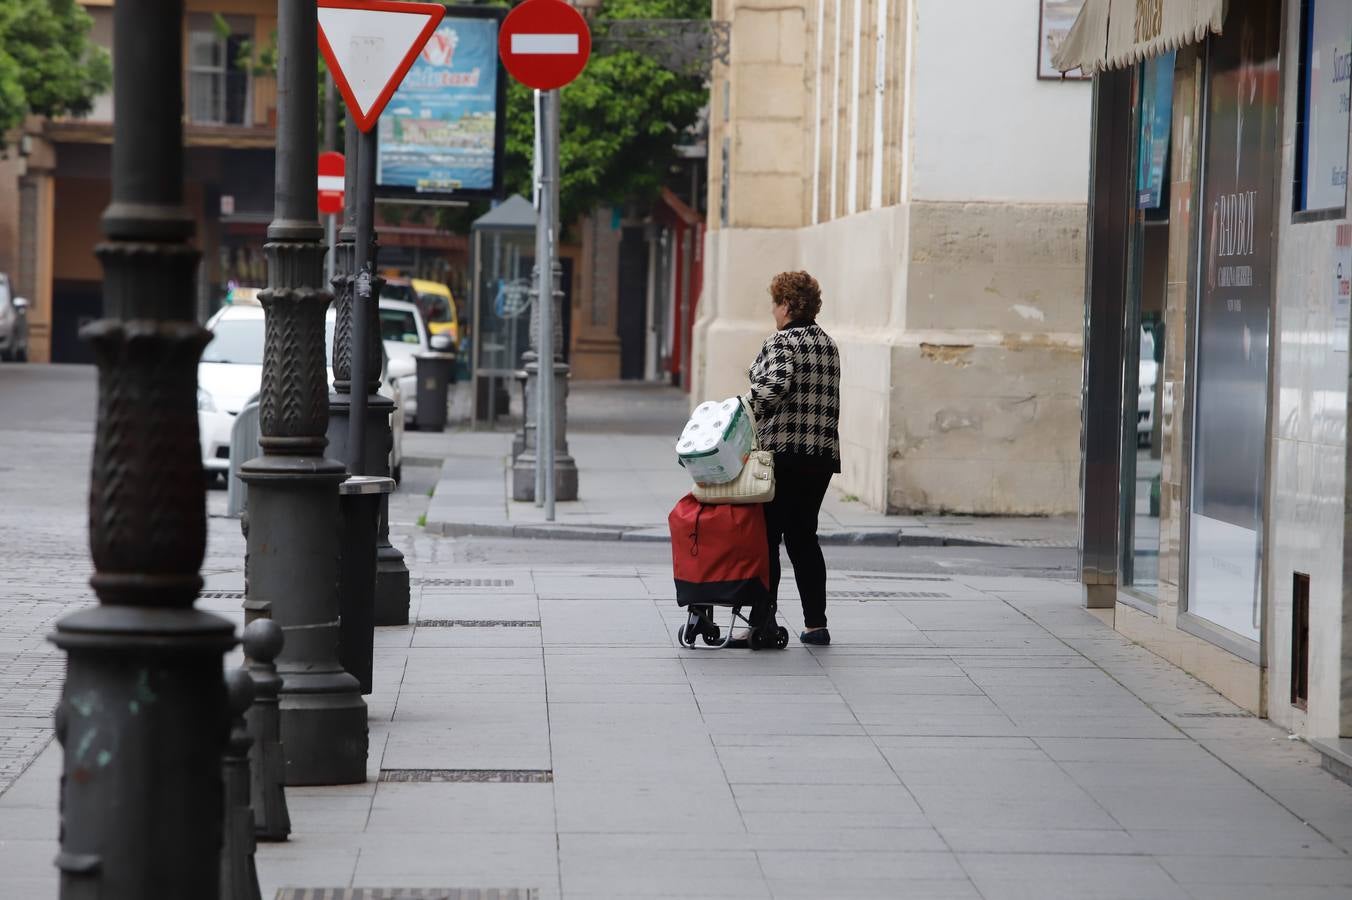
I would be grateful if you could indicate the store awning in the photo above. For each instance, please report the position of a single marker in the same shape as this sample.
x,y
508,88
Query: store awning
x,y
1113,34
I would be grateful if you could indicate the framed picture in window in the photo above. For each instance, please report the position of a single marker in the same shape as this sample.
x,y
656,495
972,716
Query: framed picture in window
x,y
1321,134
1054,21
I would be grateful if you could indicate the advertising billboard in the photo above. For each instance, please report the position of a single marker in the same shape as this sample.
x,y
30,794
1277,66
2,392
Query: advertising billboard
x,y
1324,106
441,136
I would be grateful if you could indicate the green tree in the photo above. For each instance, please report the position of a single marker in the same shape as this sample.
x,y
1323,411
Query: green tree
x,y
47,64
620,123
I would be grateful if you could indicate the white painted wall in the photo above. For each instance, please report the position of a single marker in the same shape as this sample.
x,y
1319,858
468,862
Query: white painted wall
x,y
985,127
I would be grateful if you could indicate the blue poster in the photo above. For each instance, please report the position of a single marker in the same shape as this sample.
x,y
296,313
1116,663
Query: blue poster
x,y
438,133
1157,113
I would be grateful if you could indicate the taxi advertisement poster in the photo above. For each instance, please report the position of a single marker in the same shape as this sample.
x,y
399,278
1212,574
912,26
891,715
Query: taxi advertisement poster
x,y
442,135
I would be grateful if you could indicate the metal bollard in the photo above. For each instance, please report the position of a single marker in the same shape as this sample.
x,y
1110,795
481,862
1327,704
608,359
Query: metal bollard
x,y
434,378
243,445
359,504
263,639
239,873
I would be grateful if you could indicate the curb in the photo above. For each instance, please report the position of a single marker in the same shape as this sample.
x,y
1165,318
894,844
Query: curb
x,y
639,535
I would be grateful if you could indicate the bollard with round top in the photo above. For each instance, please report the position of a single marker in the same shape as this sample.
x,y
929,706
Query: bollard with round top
x,y
263,640
239,873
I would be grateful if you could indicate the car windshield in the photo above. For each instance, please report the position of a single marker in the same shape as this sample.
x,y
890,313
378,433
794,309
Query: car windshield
x,y
237,341
397,292
435,307
400,326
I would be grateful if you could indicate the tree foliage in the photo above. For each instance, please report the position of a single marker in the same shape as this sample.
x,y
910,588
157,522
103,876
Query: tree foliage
x,y
48,66
620,123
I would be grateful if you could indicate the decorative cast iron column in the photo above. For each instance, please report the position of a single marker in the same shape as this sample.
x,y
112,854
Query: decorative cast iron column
x,y
142,716
392,578
293,487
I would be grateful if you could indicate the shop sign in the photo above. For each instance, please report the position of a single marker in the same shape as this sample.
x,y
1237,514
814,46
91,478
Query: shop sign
x,y
1324,120
1157,110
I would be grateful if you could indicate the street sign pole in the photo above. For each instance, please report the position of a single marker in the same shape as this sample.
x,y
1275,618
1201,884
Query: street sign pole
x,y
549,221
544,290
362,298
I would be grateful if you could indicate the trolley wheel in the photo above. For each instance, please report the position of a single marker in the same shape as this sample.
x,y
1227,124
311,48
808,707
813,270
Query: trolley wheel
x,y
755,640
782,638
686,635
712,635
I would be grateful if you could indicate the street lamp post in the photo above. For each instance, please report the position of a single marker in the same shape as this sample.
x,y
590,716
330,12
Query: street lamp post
x,y
293,487
142,717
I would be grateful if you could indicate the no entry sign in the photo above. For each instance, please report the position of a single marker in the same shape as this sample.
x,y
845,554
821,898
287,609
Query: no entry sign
x,y
331,171
544,44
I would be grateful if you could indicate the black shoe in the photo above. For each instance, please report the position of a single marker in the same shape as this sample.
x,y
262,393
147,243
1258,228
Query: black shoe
x,y
821,637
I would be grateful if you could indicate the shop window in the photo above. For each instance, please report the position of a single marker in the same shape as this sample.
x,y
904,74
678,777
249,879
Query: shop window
x,y
218,85
1321,132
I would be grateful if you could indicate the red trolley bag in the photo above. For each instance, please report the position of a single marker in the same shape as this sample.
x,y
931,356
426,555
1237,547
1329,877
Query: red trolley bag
x,y
720,557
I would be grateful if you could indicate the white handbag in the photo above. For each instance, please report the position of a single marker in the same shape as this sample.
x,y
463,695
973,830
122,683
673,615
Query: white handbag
x,y
754,484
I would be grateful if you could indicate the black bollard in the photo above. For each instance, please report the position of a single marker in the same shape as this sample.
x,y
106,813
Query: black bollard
x,y
239,874
359,502
263,640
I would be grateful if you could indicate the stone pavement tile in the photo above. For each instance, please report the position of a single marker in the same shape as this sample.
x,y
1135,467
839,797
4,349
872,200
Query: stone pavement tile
x,y
462,861
1041,802
798,685
1259,868
955,759
808,759
295,864
453,745
1264,892
407,809
940,725
661,807
697,768
592,870
878,710
1012,637
1071,725
1282,837
519,607
980,613
466,638
817,809
642,692
1193,773
602,670
427,666
863,684
864,874
981,839
1069,877
1203,808
832,721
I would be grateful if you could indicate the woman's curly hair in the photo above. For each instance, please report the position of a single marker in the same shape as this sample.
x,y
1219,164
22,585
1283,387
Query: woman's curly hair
x,y
799,292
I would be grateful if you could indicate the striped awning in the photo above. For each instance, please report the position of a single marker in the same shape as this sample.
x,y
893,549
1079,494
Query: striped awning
x,y
1113,34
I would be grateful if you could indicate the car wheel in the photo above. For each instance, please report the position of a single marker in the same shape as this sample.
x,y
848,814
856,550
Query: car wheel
x,y
4,356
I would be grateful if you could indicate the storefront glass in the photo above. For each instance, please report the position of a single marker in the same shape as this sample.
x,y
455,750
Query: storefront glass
x,y
1141,465
1240,162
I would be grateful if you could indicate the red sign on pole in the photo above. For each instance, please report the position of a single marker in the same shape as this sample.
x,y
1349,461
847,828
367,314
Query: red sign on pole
x,y
332,168
370,46
544,44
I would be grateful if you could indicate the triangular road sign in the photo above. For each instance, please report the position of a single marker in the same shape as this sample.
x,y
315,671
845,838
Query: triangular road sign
x,y
370,46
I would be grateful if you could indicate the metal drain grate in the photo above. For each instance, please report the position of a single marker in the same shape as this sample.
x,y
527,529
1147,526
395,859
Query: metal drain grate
x,y
478,623
887,595
407,893
221,595
899,578
468,582
468,776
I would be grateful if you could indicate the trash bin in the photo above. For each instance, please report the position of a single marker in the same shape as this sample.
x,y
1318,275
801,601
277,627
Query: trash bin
x,y
434,377
243,447
359,506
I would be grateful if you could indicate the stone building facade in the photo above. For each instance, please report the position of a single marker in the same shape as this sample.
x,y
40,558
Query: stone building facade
x,y
907,154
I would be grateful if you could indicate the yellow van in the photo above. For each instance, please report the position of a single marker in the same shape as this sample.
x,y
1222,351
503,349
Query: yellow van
x,y
438,308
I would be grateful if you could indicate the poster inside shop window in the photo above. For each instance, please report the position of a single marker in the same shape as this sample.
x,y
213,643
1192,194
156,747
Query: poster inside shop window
x,y
1328,75
1157,111
1241,160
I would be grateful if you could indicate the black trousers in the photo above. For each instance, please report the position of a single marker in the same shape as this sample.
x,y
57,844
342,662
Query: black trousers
x,y
792,518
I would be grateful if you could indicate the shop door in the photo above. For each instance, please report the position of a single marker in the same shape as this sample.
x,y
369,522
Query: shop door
x,y
633,311
1234,294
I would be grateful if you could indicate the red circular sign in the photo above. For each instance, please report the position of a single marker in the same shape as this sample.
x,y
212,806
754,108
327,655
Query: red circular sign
x,y
544,44
331,169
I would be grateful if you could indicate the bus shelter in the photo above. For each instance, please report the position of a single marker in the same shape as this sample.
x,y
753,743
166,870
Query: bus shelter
x,y
502,259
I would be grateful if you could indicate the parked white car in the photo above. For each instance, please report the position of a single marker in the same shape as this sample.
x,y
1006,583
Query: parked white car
x,y
13,323
405,335
1146,380
231,373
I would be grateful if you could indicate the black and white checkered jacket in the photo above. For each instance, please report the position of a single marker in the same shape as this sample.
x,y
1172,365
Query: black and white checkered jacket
x,y
795,394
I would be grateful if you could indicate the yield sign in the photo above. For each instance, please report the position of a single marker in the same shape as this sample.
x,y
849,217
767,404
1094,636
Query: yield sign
x,y
370,46
544,44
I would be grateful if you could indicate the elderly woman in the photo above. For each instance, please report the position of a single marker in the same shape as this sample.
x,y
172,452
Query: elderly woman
x,y
795,395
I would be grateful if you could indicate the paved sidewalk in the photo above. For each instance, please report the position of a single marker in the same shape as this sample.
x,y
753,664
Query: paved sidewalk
x,y
622,440
967,737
